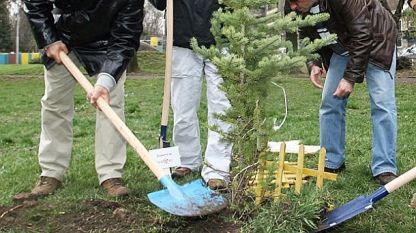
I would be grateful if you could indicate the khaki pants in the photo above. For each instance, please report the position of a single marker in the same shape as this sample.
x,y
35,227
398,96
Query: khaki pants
x,y
56,133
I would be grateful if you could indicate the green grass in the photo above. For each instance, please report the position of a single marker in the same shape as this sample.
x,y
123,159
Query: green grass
x,y
20,128
149,61
13,69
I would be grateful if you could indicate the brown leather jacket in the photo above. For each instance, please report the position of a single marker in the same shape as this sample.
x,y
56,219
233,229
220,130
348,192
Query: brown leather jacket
x,y
365,28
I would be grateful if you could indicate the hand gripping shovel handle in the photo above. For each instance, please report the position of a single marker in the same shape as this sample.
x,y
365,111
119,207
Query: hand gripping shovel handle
x,y
117,122
168,73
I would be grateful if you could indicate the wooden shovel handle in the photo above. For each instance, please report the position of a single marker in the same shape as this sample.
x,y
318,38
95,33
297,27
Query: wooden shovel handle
x,y
168,62
114,118
401,180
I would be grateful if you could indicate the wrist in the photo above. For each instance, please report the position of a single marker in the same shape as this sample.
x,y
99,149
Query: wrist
x,y
106,80
349,81
51,44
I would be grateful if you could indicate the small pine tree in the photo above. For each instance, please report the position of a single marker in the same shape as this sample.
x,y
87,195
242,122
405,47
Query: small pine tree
x,y
250,50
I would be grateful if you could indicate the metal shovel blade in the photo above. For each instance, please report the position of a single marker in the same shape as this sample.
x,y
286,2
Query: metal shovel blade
x,y
163,141
191,199
349,210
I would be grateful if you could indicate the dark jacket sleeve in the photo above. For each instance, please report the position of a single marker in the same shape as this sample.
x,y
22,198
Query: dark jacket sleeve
x,y
359,28
39,14
159,4
125,38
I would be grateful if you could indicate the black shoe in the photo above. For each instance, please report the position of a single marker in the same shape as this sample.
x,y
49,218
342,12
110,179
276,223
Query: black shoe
x,y
385,177
335,170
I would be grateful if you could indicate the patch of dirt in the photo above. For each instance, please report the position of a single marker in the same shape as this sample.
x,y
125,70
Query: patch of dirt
x,y
104,216
145,75
407,76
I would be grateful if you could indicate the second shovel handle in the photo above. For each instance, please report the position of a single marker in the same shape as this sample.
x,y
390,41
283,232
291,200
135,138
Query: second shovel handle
x,y
401,180
168,62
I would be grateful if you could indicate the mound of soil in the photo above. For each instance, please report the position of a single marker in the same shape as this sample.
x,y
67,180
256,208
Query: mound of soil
x,y
102,216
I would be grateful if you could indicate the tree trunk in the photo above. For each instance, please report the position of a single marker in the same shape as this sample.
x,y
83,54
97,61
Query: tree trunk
x,y
398,13
133,65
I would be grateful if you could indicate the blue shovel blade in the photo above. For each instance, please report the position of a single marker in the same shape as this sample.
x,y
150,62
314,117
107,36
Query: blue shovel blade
x,y
191,199
347,211
352,208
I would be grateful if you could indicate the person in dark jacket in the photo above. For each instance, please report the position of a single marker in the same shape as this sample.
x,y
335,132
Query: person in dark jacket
x,y
365,48
192,19
101,36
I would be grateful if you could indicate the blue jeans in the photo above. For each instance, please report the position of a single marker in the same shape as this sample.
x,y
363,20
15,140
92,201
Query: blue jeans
x,y
380,86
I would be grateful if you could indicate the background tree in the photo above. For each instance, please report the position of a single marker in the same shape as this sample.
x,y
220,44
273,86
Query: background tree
x,y
26,40
409,17
133,66
153,23
5,37
250,50
396,8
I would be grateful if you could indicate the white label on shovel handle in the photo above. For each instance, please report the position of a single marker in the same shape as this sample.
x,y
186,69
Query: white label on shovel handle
x,y
166,157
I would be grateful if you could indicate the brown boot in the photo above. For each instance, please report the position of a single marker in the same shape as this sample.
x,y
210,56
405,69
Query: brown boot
x,y
115,187
46,185
216,184
385,177
180,172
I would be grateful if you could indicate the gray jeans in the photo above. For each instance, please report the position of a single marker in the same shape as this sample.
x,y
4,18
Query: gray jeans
x,y
187,71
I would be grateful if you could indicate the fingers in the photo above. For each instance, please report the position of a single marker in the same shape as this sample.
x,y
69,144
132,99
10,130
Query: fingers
x,y
315,77
97,93
53,50
339,92
344,89
316,82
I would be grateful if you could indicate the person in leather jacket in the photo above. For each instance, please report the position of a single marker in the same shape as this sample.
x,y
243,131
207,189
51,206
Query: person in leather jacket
x,y
192,19
365,49
101,36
